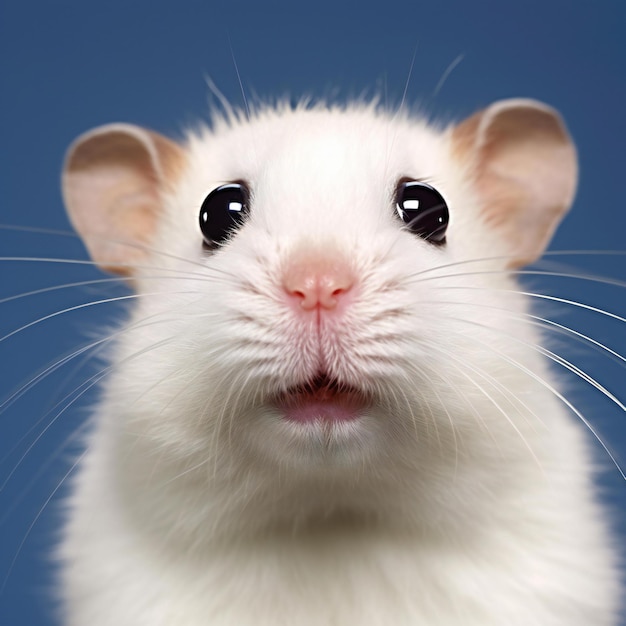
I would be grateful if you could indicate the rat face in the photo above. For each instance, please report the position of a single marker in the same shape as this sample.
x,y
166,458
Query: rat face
x,y
318,299
297,302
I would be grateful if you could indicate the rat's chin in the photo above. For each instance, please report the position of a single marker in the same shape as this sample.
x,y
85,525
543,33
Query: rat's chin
x,y
318,426
322,400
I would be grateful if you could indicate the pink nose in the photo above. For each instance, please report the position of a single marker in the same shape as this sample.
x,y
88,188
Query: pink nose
x,y
318,280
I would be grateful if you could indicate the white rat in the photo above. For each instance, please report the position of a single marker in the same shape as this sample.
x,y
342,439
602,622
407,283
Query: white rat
x,y
327,406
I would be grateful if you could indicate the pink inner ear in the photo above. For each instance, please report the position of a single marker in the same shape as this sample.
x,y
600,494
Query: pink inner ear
x,y
525,169
115,214
112,184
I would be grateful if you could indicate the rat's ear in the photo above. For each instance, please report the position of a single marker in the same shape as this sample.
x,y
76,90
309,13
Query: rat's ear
x,y
524,166
113,180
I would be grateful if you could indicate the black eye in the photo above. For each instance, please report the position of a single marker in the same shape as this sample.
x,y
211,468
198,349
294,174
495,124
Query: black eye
x,y
424,211
222,212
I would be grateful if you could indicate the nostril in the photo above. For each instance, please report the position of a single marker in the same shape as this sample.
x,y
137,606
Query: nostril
x,y
308,298
313,283
332,287
302,285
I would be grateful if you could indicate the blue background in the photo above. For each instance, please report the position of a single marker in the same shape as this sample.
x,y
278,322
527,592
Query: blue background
x,y
68,65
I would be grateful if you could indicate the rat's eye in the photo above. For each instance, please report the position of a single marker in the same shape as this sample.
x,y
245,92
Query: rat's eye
x,y
222,212
423,210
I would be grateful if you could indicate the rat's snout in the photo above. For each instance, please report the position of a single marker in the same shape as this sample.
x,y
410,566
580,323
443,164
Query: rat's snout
x,y
318,279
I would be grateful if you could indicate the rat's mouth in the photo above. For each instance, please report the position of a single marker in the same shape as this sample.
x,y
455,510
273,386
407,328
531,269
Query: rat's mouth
x,y
322,399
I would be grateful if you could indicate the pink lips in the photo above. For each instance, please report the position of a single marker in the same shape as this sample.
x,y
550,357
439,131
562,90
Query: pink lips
x,y
321,401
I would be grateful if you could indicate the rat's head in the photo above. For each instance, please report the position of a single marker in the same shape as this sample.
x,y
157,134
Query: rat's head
x,y
297,307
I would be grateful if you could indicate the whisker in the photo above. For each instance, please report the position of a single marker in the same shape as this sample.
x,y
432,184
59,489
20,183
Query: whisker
x,y
227,108
408,81
208,273
231,385
551,388
542,296
40,231
101,281
155,318
186,471
411,412
82,283
496,384
494,258
444,406
389,145
241,383
133,296
587,277
129,244
88,384
24,491
39,514
230,381
156,385
243,93
585,253
446,74
541,322
16,395
26,259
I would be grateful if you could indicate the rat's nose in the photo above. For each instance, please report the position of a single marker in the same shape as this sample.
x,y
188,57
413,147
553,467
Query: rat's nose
x,y
318,279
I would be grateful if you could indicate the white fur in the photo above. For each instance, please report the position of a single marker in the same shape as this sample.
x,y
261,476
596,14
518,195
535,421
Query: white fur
x,y
463,498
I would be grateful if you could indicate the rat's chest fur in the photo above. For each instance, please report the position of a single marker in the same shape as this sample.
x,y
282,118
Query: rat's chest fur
x,y
461,495
517,560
